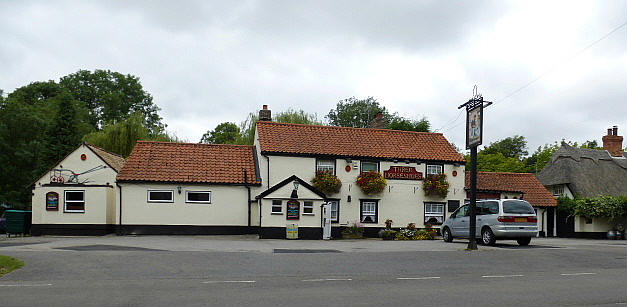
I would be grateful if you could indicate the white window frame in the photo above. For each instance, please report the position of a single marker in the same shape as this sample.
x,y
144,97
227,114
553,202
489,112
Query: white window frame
x,y
275,206
325,165
197,201
373,212
429,212
159,200
335,203
440,169
369,162
558,190
308,205
65,201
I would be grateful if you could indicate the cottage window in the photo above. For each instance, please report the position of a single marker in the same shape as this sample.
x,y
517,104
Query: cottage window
x,y
203,197
369,166
434,213
558,190
160,196
369,211
434,169
74,201
325,166
277,206
308,208
335,211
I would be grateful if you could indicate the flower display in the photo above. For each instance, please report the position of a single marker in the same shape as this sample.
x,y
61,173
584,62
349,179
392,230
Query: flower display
x,y
326,182
371,182
436,185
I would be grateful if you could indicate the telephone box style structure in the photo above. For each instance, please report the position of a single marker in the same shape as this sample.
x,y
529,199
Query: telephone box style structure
x,y
77,196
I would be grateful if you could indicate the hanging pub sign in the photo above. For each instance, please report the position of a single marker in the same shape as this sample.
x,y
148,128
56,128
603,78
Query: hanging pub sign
x,y
293,209
474,125
52,201
402,173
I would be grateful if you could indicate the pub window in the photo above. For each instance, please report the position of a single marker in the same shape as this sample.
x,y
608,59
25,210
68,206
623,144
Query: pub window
x,y
308,207
434,169
277,206
453,205
325,166
434,213
74,201
160,196
203,197
369,211
335,211
367,166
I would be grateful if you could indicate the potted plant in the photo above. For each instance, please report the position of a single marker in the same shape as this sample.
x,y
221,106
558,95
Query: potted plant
x,y
371,182
388,233
436,185
354,231
326,182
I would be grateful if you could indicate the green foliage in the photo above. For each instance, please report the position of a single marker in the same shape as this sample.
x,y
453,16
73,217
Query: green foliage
x,y
539,159
401,123
326,182
609,207
412,233
224,133
371,182
354,231
566,204
353,112
510,147
247,127
9,264
435,185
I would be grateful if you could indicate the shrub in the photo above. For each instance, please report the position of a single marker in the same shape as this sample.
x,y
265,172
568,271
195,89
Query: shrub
x,y
326,182
435,185
371,182
354,231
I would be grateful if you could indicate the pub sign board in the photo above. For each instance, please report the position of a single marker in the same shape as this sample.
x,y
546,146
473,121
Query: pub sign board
x,y
474,126
402,173
52,201
293,210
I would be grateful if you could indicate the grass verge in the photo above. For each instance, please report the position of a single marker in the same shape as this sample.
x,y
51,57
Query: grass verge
x,y
9,264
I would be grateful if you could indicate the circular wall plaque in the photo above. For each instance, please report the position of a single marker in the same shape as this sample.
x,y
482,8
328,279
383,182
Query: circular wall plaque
x,y
454,173
83,157
348,168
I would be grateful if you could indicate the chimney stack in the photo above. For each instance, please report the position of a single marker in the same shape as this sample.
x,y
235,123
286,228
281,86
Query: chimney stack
x,y
379,122
265,114
613,143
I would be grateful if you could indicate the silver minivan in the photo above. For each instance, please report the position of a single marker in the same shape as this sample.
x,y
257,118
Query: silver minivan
x,y
498,219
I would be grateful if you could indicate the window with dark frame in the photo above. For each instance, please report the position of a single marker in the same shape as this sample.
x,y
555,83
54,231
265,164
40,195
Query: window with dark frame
x,y
369,211
277,206
434,213
74,201
160,196
202,197
434,169
367,166
325,165
308,207
335,211
453,205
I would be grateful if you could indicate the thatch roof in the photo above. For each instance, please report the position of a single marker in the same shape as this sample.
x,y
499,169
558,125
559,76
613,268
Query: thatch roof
x,y
586,172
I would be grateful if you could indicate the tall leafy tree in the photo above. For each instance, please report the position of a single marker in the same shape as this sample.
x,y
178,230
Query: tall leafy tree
x,y
510,147
112,96
247,127
224,133
401,123
353,112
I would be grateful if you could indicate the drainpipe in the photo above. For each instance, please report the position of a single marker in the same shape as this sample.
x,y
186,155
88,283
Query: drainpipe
x,y
248,200
268,171
259,232
120,232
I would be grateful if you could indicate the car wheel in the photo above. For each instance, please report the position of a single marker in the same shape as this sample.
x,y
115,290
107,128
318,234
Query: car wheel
x,y
487,236
523,241
447,235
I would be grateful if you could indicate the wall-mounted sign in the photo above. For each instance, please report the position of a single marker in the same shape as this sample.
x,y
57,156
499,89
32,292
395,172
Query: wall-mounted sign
x,y
291,231
293,209
402,173
52,201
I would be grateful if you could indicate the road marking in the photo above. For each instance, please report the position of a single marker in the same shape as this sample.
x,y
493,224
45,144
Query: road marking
x,y
417,278
575,274
26,285
328,279
228,281
501,276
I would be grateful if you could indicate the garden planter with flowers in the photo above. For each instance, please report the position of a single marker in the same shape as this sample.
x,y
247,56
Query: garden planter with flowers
x,y
436,185
371,182
326,182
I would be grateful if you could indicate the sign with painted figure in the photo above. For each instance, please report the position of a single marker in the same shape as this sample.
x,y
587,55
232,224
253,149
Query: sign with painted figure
x,y
402,173
474,127
52,201
293,209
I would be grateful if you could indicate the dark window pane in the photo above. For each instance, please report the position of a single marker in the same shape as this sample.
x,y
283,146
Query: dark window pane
x,y
166,195
75,196
517,206
199,196
453,205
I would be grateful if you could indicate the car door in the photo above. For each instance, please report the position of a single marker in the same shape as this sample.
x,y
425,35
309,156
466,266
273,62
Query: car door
x,y
460,223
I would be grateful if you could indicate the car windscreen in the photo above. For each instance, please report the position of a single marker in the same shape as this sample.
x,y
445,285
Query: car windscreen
x,y
517,206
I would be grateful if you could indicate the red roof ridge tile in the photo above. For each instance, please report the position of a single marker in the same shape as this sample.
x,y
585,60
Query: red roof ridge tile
x,y
341,127
199,144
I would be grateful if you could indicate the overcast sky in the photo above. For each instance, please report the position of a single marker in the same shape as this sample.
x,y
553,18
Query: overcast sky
x,y
209,62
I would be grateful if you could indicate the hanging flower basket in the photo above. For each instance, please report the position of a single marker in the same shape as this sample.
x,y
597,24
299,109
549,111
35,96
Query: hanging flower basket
x,y
326,182
371,182
436,185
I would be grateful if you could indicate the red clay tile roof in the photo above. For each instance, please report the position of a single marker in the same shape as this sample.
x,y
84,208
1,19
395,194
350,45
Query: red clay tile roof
x,y
280,138
534,191
188,162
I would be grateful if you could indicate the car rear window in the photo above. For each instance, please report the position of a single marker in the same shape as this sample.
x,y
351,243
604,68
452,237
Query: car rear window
x,y
517,206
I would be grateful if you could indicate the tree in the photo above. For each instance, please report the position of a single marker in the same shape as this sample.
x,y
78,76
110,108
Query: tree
x,y
247,127
538,160
111,97
122,136
510,147
353,112
69,126
401,123
224,133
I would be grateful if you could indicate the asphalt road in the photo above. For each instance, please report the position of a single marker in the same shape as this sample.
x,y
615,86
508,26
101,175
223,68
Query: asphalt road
x,y
98,275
